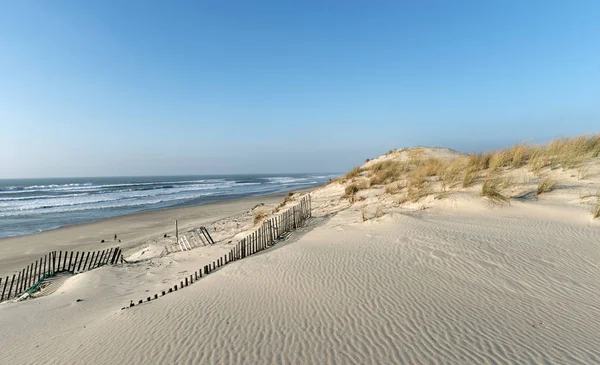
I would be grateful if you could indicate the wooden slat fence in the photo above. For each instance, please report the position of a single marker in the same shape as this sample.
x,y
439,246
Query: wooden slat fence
x,y
269,233
51,264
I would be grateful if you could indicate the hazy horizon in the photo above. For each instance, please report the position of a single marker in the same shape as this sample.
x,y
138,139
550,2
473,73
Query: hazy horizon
x,y
168,176
93,89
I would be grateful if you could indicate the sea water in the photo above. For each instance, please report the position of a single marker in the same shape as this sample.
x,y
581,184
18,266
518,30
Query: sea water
x,y
34,205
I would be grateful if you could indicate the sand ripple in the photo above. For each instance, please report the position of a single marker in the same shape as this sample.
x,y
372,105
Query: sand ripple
x,y
435,289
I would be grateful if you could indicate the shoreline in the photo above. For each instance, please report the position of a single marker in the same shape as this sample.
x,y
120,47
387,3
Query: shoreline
x,y
174,207
132,229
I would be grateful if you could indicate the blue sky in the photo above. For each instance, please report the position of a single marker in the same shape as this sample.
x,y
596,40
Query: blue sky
x,y
94,88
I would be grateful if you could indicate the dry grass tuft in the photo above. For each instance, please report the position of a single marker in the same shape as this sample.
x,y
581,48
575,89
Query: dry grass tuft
x,y
596,207
352,173
546,185
492,189
451,173
499,159
285,200
477,161
388,171
259,215
583,173
518,155
470,177
351,190
394,188
379,211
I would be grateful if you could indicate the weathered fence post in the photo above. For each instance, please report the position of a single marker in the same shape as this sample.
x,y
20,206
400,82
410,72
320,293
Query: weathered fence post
x,y
91,261
4,289
65,260
22,282
11,285
70,260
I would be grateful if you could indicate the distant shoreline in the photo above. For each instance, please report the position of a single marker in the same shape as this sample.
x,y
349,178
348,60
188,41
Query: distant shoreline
x,y
132,229
162,209
35,206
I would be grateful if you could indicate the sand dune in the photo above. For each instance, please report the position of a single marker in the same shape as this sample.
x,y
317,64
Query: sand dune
x,y
446,279
420,287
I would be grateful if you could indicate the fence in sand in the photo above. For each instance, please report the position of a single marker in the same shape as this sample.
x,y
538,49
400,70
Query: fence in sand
x,y
31,277
268,234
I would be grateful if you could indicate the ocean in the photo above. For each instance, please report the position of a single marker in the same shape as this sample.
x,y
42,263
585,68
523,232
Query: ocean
x,y
35,205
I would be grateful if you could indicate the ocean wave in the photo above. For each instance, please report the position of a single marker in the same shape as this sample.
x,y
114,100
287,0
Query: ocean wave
x,y
88,186
285,180
33,206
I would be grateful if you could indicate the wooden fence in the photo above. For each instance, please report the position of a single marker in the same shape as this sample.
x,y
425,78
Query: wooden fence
x,y
51,264
269,233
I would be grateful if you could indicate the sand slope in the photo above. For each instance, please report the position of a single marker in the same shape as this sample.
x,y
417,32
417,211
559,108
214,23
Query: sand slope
x,y
421,287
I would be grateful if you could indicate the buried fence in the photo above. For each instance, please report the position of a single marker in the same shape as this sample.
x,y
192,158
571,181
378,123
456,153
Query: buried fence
x,y
201,234
51,264
271,231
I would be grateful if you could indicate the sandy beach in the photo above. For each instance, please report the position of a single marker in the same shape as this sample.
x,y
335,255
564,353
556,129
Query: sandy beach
x,y
132,229
452,279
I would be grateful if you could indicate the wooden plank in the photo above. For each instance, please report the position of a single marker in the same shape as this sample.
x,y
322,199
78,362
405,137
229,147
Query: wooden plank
x,y
17,284
96,259
11,286
74,268
116,255
101,258
86,261
4,289
35,275
70,261
111,258
80,262
91,261
27,277
65,260
210,239
108,256
22,282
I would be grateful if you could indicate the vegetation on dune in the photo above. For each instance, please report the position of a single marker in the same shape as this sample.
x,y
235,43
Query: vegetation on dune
x,y
596,206
414,174
546,185
351,190
352,173
285,200
492,189
259,215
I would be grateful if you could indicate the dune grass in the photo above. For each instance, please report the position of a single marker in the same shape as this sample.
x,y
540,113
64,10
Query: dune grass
x,y
596,206
418,175
259,215
492,189
352,173
546,185
285,200
394,188
469,177
353,188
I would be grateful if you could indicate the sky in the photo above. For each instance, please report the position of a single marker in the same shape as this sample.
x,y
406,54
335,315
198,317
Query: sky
x,y
123,88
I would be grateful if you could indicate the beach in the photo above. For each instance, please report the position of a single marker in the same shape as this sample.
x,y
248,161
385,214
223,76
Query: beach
x,y
131,229
455,277
431,286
